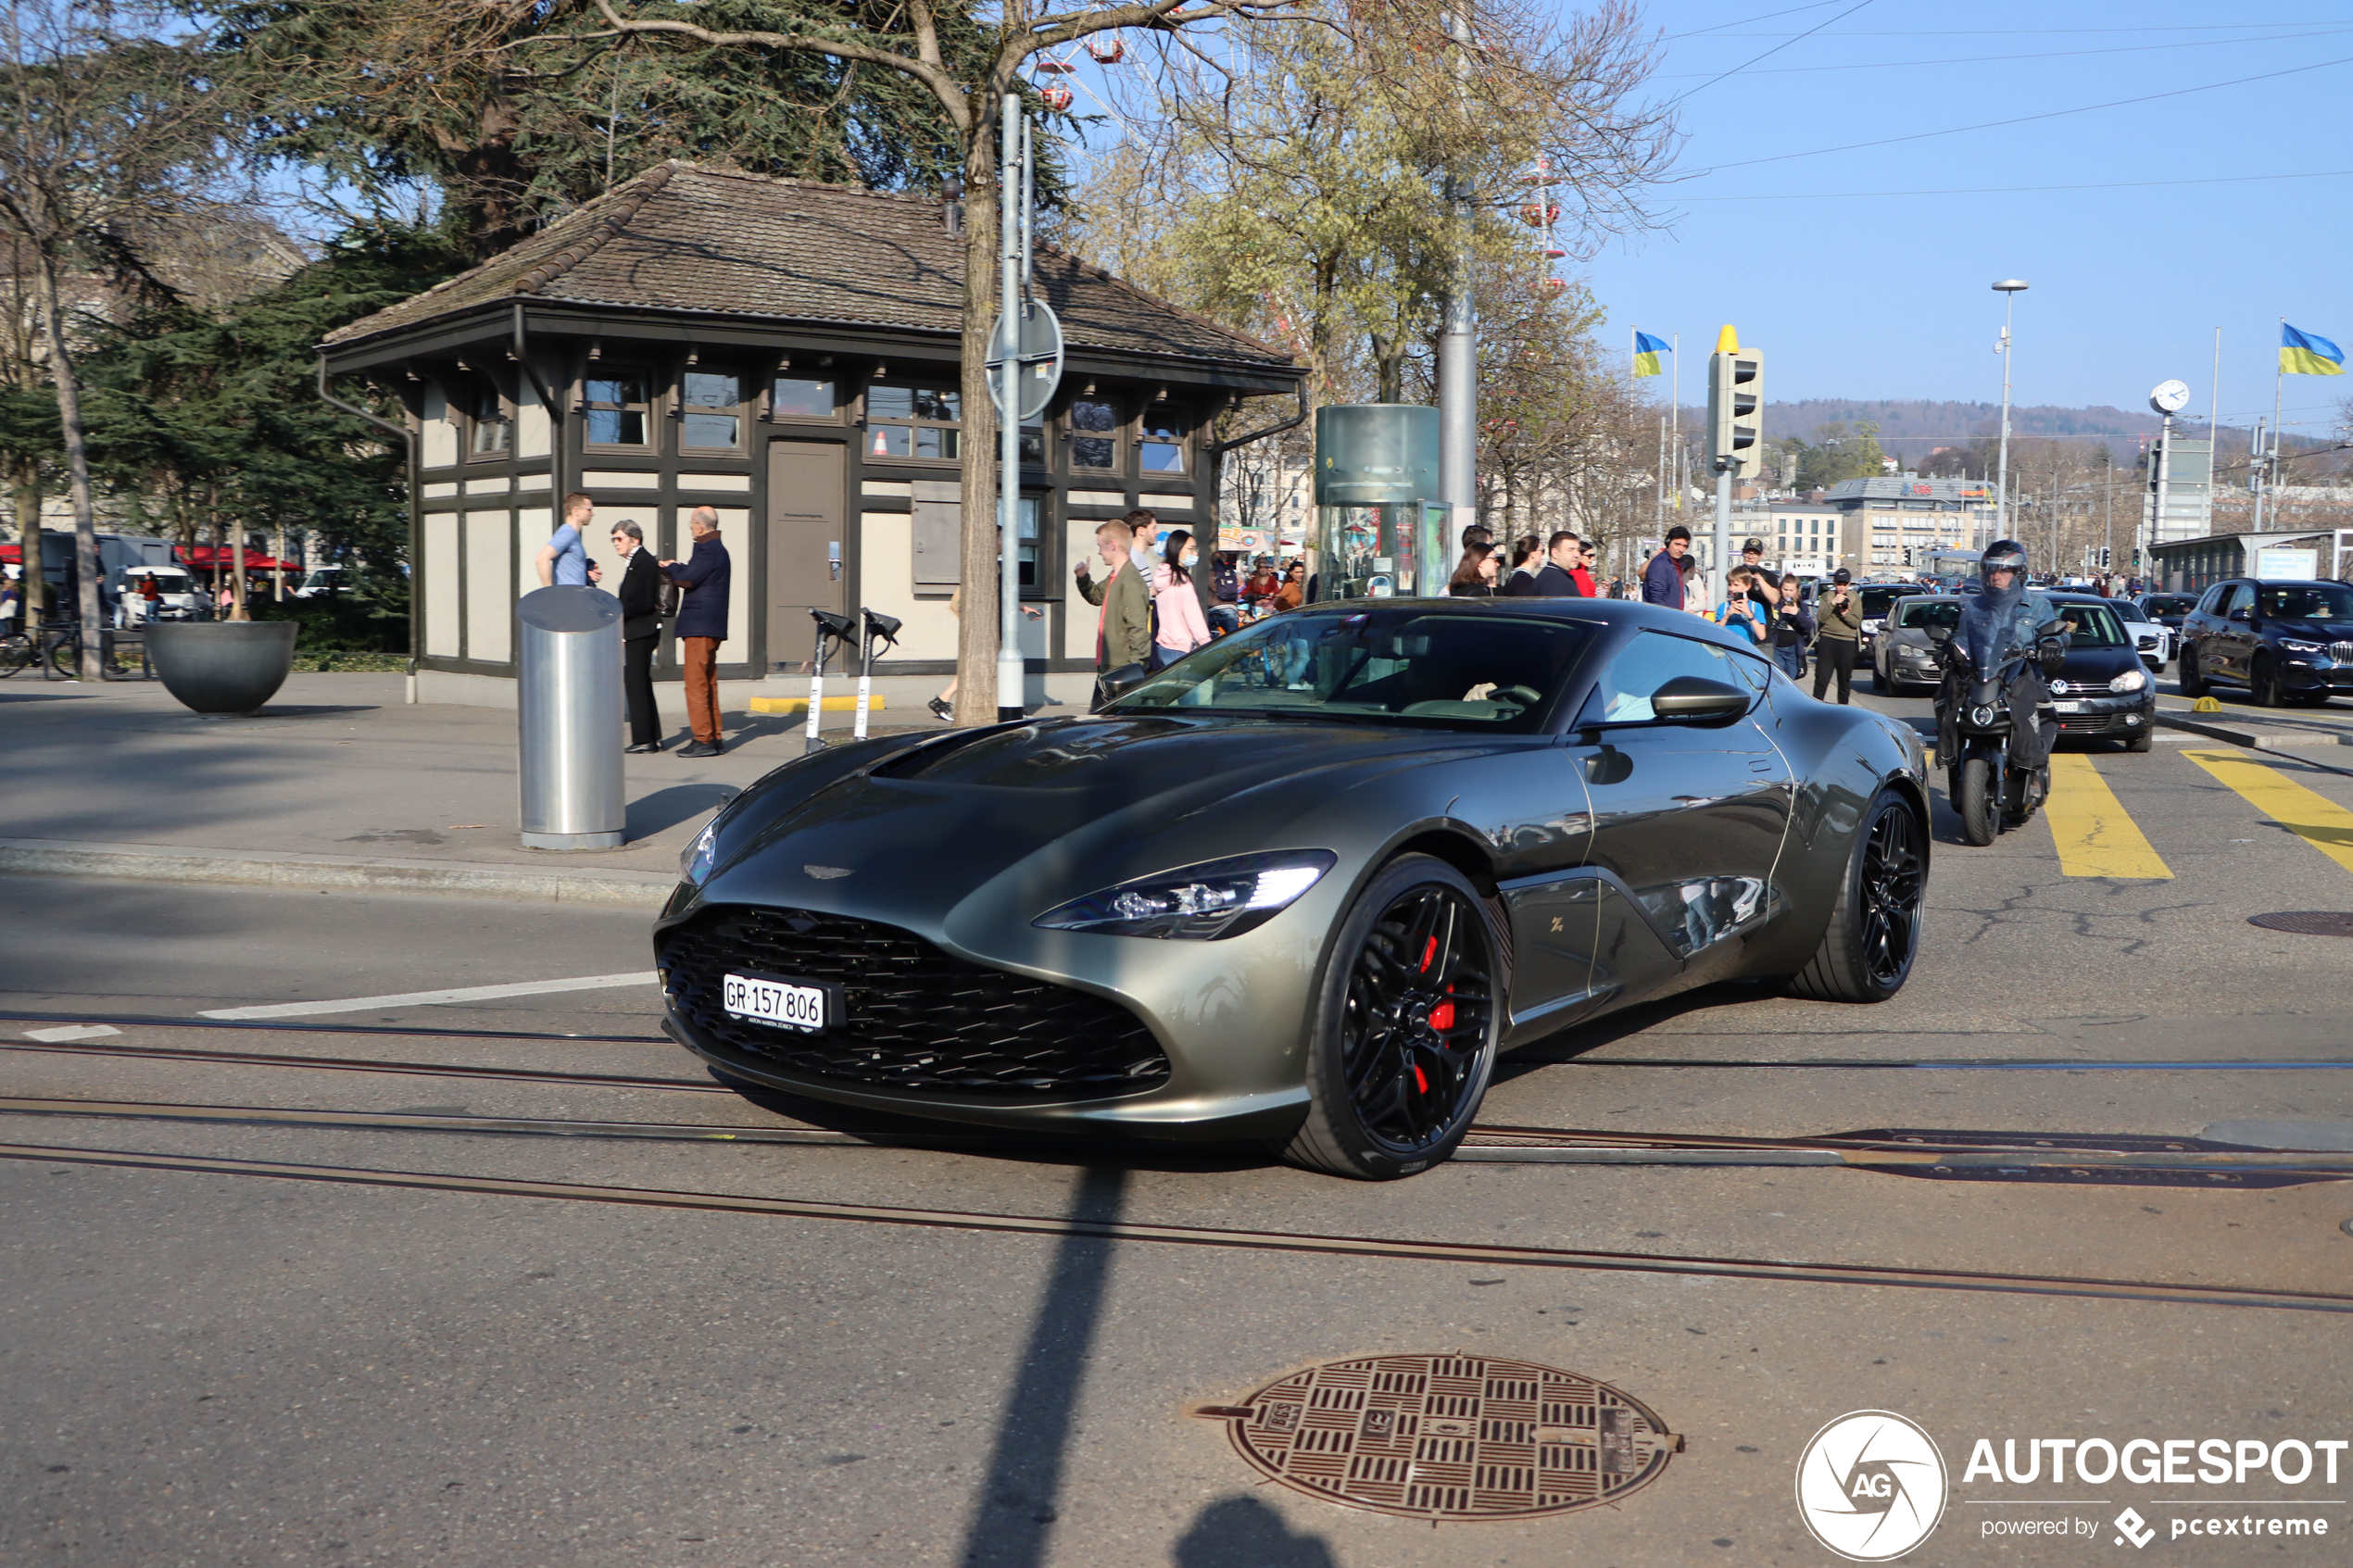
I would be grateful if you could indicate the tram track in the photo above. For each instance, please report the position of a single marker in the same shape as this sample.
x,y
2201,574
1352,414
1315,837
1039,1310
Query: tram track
x,y
2081,1158
1479,1255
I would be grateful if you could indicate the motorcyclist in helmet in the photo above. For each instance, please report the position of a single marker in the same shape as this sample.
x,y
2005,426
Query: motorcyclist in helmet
x,y
2001,617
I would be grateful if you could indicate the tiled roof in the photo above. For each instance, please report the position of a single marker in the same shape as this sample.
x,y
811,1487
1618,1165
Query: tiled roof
x,y
682,237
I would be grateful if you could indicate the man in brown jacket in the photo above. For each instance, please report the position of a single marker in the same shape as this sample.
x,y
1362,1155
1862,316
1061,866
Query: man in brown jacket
x,y
1124,631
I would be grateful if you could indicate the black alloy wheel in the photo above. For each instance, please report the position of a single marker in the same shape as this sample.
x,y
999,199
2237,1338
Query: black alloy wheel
x,y
1873,934
1408,1018
2191,677
2263,681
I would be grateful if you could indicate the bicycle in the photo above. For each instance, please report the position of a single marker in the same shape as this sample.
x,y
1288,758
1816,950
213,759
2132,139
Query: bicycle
x,y
55,646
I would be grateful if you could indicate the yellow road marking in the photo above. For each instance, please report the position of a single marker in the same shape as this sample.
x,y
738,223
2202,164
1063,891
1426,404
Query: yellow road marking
x,y
2095,835
2313,817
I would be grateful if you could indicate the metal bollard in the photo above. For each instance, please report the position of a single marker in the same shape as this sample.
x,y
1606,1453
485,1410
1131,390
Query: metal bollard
x,y
568,701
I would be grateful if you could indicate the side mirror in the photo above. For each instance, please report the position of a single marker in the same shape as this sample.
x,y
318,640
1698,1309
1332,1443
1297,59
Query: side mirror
x,y
1114,684
1693,699
2242,613
1940,634
2050,649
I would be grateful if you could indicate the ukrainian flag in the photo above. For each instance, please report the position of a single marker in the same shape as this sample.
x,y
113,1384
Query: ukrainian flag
x,y
2301,354
1646,352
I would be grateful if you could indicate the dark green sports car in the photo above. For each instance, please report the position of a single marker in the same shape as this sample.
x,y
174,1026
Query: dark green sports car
x,y
1304,885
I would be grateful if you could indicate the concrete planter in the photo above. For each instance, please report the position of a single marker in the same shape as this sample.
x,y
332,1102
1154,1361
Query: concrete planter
x,y
222,666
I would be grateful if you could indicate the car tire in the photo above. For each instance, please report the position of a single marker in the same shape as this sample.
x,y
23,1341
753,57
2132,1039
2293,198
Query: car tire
x,y
1874,929
2141,739
1392,1088
2191,677
2263,683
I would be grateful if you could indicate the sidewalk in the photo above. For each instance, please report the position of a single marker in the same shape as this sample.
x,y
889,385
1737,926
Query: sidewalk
x,y
336,783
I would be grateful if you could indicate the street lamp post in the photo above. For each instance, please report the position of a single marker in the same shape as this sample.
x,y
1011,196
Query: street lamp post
x,y
2010,289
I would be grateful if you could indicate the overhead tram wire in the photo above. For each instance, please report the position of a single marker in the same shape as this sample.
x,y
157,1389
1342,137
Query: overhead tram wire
x,y
2020,190
2051,54
1703,32
2030,119
1767,54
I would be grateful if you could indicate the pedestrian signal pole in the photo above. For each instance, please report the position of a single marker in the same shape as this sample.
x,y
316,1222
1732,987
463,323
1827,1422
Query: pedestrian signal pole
x,y
1735,431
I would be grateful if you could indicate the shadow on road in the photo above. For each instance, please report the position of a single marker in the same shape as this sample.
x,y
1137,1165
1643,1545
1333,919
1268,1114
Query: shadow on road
x,y
668,808
1018,1502
1240,1532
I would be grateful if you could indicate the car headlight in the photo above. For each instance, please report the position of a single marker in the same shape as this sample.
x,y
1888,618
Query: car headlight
x,y
695,861
2294,645
1197,903
2130,681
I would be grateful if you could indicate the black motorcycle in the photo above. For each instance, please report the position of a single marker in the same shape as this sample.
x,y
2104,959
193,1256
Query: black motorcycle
x,y
1986,783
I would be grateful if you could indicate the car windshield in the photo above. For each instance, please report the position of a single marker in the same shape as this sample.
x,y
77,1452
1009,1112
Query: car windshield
x,y
1876,596
2127,611
2304,601
1410,664
1920,614
2093,626
2170,604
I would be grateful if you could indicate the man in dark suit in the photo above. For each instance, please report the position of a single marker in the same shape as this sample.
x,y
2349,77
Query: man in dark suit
x,y
702,626
1558,579
640,632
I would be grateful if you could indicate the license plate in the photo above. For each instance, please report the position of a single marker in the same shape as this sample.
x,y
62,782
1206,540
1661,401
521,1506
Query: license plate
x,y
2055,708
776,1001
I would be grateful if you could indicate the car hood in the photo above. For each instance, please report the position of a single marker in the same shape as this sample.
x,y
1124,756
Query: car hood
x,y
2313,630
1086,802
2085,666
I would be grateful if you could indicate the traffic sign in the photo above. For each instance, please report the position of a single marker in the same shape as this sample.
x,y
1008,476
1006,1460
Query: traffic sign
x,y
1038,359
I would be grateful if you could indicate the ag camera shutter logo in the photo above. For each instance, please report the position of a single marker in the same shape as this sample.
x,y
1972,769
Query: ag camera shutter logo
x,y
1871,1485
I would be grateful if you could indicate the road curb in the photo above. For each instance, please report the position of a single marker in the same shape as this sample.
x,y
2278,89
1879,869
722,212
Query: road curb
x,y
2259,740
259,868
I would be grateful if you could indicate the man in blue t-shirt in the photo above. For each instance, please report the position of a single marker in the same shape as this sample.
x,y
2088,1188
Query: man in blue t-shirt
x,y
563,560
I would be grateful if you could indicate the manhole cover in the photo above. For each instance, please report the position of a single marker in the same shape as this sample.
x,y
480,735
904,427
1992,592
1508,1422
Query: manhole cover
x,y
2307,922
1449,1436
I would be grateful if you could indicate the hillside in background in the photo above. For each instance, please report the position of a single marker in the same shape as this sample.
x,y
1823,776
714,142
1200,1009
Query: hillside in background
x,y
1913,428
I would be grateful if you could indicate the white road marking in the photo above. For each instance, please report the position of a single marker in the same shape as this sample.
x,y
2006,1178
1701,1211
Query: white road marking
x,y
429,998
70,1032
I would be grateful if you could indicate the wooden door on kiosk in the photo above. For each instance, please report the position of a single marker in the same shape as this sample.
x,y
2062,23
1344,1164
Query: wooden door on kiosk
x,y
805,545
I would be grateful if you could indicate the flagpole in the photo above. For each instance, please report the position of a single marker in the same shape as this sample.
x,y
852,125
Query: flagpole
x,y
2271,466
1675,410
1660,523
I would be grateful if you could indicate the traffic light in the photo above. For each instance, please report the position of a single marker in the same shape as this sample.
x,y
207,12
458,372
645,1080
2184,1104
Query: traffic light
x,y
1735,404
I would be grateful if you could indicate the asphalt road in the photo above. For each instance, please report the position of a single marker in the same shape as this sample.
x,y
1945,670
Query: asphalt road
x,y
232,1336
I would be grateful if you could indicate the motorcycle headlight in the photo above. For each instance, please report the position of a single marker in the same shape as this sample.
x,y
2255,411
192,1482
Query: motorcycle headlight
x,y
1197,903
2130,681
1982,716
695,861
2294,645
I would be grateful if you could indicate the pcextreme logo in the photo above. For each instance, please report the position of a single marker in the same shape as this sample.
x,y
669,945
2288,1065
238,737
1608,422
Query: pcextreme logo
x,y
1871,1485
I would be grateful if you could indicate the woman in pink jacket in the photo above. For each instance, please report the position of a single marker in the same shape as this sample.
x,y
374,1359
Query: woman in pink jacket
x,y
1178,626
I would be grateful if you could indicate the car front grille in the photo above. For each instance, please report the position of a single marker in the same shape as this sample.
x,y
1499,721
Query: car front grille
x,y
2341,652
914,1016
2077,723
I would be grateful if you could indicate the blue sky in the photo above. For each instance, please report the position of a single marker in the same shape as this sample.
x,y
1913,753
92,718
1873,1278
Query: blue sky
x,y
1878,295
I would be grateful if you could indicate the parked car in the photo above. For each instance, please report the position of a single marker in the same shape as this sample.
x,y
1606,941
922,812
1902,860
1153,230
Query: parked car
x,y
2284,642
1903,660
2154,637
318,580
1304,885
177,596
